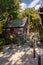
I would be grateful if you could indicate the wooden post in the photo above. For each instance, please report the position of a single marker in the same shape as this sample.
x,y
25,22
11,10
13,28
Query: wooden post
x,y
34,48
39,59
39,56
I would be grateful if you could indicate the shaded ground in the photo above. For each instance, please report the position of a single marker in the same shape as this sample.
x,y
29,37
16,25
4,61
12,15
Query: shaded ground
x,y
19,55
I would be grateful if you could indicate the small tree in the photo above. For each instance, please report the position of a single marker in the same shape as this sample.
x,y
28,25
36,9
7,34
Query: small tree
x,y
35,19
8,7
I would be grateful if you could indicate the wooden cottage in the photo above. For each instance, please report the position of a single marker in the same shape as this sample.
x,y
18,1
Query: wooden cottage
x,y
18,27
41,12
41,15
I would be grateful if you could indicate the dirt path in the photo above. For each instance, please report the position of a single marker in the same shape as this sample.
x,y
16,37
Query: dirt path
x,y
19,55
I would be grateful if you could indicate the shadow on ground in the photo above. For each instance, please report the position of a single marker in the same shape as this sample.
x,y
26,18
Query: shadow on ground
x,y
19,55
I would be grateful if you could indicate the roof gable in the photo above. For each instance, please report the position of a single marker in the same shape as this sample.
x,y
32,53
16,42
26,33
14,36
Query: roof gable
x,y
16,23
41,6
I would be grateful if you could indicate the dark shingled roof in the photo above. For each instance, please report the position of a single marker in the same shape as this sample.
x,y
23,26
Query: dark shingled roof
x,y
41,6
16,23
41,9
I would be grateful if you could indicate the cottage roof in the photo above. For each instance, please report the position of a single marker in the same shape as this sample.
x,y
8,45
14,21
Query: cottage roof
x,y
41,9
41,6
16,23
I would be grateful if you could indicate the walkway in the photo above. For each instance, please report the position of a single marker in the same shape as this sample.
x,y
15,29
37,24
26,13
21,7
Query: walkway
x,y
19,55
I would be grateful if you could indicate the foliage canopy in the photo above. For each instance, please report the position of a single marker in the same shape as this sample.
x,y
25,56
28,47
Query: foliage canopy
x,y
33,14
8,7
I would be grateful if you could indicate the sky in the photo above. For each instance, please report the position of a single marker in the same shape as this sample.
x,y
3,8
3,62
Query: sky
x,y
30,4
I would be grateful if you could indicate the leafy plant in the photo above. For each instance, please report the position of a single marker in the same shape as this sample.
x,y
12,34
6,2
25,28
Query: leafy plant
x,y
15,40
1,42
35,20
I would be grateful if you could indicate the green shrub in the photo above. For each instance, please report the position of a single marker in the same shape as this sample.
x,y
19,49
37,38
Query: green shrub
x,y
15,40
1,42
8,40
